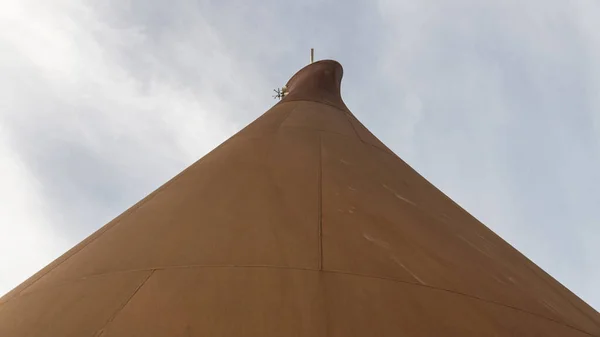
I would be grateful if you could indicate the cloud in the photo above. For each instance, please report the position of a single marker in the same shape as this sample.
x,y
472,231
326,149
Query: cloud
x,y
92,132
24,233
100,127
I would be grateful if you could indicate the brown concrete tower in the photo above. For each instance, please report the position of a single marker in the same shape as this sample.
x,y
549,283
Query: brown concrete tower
x,y
302,224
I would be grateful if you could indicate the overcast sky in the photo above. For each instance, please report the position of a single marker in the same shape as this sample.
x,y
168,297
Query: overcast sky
x,y
496,102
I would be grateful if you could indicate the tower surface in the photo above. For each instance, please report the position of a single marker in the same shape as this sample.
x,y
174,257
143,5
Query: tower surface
x,y
301,224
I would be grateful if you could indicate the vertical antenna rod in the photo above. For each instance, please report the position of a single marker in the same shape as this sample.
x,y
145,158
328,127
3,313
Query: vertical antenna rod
x,y
312,55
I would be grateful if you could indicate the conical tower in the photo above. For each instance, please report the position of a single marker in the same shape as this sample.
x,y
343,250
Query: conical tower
x,y
301,224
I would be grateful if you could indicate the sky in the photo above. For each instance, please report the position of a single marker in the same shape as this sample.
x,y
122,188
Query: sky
x,y
496,102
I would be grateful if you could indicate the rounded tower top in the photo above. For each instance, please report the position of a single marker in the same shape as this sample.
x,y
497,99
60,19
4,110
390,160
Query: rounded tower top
x,y
318,82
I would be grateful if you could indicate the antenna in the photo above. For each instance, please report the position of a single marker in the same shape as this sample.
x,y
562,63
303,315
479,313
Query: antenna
x,y
280,92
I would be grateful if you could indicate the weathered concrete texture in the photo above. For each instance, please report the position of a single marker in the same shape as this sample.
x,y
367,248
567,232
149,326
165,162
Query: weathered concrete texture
x,y
302,224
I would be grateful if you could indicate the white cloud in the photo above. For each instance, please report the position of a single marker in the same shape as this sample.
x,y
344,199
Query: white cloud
x,y
28,241
85,136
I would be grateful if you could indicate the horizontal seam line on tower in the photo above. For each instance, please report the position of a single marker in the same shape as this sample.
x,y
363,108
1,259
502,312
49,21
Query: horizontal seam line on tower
x,y
309,100
340,134
322,130
339,272
347,113
560,293
101,232
315,129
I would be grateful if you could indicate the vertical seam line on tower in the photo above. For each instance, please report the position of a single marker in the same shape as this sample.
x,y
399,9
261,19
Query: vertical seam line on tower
x,y
320,201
